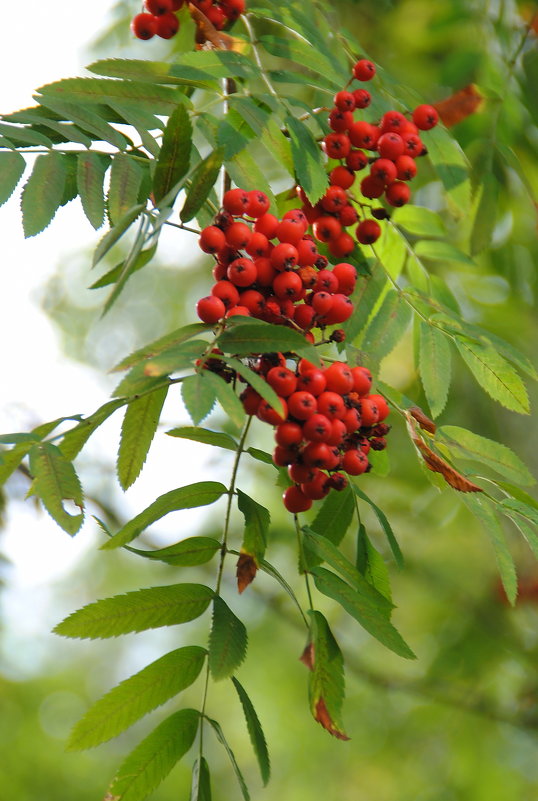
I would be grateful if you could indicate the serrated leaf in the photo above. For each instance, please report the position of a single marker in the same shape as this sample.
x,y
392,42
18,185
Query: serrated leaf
x,y
452,167
245,171
13,457
136,382
125,181
201,783
385,525
202,182
74,440
90,178
227,641
187,553
277,145
87,119
129,266
113,275
326,687
23,137
174,157
12,166
308,159
171,360
194,68
495,375
387,327
227,398
153,759
115,233
419,221
257,521
205,435
257,737
137,696
222,739
56,481
156,347
137,611
138,429
198,396
335,515
442,251
500,458
486,214
202,493
264,338
256,382
368,612
372,565
523,518
42,193
305,55
482,509
435,366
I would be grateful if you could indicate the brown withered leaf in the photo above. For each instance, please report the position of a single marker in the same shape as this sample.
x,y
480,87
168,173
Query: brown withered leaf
x,y
460,105
438,465
322,716
246,571
422,419
206,32
307,657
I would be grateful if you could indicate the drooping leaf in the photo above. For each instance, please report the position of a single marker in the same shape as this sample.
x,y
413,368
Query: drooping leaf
x,y
486,214
435,366
308,159
74,440
153,759
256,382
483,510
137,611
187,553
368,610
263,338
452,167
91,174
442,251
372,565
193,495
335,515
257,737
21,136
437,464
159,345
257,521
12,458
56,481
175,358
12,166
174,157
136,696
115,233
419,221
43,192
227,398
198,396
297,50
197,434
201,782
326,680
387,327
125,181
129,266
221,738
87,119
500,458
138,261
495,375
227,641
385,525
203,181
138,429
245,572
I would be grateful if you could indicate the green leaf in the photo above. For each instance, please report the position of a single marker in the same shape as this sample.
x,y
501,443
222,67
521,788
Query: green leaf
x,y
187,553
308,159
205,435
115,233
452,167
495,375
227,641
137,696
198,396
256,382
42,193
156,347
12,166
23,137
153,759
136,382
264,338
129,266
366,611
500,458
221,738
88,120
419,221
271,570
372,565
137,611
90,178
304,54
56,481
257,522
12,458
326,686
125,181
260,456
201,783
277,145
257,737
486,214
203,181
202,493
245,171
138,429
518,494
174,158
227,398
387,327
74,440
385,525
520,514
434,365
171,360
153,72
114,275
442,251
483,510
335,515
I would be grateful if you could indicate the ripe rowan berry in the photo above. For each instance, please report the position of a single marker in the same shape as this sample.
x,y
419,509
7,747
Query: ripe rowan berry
x,y
253,300
368,232
283,457
167,25
383,409
250,400
369,412
362,98
384,170
302,405
347,215
339,378
288,433
317,428
318,488
363,134
241,311
303,316
216,16
390,145
337,145
356,160
322,302
307,252
210,309
397,193
301,473
227,292
355,462
290,231
236,201
393,121
372,187
288,285
406,168
425,117
242,272
158,7
233,8
295,500
284,256
342,177
342,245
144,26
317,454
265,270
331,404
212,239
344,100
362,380
238,235
364,70
326,228
269,415
312,381
327,282
346,275
338,481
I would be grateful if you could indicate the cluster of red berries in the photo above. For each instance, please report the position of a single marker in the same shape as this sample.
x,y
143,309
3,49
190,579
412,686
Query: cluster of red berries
x,y
271,269
328,423
159,18
397,144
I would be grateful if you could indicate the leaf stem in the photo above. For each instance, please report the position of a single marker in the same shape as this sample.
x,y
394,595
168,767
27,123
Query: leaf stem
x,y
302,560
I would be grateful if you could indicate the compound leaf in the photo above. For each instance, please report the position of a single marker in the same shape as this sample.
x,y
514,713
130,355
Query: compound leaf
x,y
138,429
56,481
227,641
257,737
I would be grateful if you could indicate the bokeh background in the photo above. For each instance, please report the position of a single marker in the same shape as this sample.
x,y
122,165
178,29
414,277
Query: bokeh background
x,y
460,723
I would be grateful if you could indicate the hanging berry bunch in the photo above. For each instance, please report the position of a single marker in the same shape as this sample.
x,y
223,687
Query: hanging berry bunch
x,y
159,18
395,141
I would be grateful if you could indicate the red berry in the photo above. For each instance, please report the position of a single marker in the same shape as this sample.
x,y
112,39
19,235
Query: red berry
x,y
406,168
216,16
290,231
363,134
355,462
295,500
288,433
212,239
369,412
312,381
345,101
339,378
340,121
362,98
144,26
272,416
250,400
167,25
331,405
346,275
425,117
283,381
347,215
258,203
238,235
284,256
158,7
236,201
372,187
326,228
337,145
356,160
393,121
233,8
241,311
242,272
368,232
342,246
412,145
288,285
318,488
302,405
227,292
253,300
322,302
267,225
334,199
327,282
210,309
384,170
265,272
364,70
362,380
398,193
258,245
390,145
300,473
303,316
317,428
283,457
341,310
382,406
307,252
342,177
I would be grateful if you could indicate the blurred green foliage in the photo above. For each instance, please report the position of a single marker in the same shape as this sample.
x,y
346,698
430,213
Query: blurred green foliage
x,y
460,723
